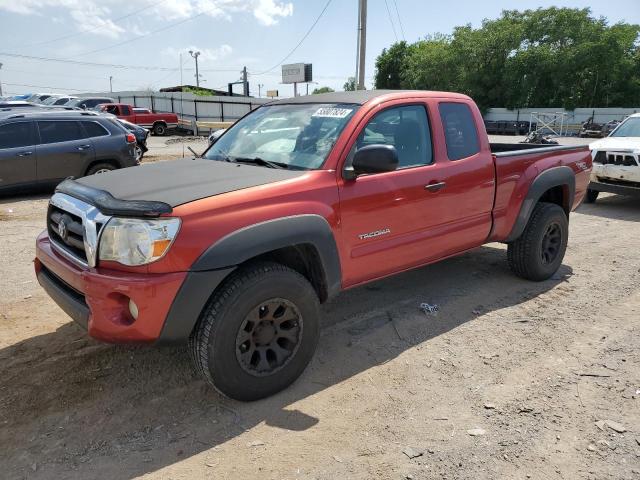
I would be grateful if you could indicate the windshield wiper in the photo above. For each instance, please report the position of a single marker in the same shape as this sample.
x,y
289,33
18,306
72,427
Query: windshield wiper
x,y
259,161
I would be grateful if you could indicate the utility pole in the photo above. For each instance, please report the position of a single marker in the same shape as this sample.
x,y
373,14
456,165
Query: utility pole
x,y
245,82
362,43
195,55
260,85
111,83
0,82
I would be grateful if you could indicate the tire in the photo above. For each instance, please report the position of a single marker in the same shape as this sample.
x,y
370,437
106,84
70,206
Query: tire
x,y
225,330
539,251
138,152
591,196
159,129
99,168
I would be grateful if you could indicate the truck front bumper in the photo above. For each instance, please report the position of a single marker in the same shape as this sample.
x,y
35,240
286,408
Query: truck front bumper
x,y
99,299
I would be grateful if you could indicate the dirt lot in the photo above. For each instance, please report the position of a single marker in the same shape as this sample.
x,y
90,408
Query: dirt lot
x,y
510,379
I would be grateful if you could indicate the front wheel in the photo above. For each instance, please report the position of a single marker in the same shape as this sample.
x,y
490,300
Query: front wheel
x,y
539,251
100,168
258,331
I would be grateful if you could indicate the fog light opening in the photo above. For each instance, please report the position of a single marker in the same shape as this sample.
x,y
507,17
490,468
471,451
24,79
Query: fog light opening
x,y
133,309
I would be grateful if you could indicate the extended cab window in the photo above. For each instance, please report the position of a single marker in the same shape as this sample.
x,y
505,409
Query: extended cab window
x,y
459,130
124,110
59,131
15,135
406,128
94,129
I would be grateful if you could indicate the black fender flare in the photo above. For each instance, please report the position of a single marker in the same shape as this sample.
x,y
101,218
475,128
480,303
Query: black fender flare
x,y
554,177
251,241
221,259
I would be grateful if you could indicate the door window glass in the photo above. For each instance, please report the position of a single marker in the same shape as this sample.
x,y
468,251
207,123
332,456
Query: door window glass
x,y
15,135
94,129
406,128
59,131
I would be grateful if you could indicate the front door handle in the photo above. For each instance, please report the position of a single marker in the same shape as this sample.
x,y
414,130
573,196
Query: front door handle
x,y
434,187
84,147
25,154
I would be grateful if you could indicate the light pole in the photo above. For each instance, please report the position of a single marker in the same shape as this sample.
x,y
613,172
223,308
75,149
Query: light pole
x,y
195,55
111,83
260,85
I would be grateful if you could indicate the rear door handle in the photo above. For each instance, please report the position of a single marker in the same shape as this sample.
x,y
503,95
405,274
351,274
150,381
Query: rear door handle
x,y
84,147
434,187
25,154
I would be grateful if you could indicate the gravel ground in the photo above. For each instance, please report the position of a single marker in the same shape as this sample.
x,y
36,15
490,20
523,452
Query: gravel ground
x,y
509,379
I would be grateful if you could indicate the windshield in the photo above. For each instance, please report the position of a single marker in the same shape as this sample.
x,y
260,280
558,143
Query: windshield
x,y
292,136
629,128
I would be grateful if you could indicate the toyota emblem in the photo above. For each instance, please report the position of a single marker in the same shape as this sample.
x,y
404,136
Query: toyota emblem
x,y
62,229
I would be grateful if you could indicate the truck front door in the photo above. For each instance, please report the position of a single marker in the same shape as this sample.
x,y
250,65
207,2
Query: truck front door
x,y
428,208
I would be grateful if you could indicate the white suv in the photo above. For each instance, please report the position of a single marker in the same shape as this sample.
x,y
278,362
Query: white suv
x,y
616,161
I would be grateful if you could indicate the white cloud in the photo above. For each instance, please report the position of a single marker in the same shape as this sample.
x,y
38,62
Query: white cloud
x,y
97,16
210,54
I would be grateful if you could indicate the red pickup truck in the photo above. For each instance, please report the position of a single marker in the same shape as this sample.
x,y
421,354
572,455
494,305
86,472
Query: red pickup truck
x,y
158,123
234,252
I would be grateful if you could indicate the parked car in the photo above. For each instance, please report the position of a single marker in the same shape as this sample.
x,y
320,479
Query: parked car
x,y
58,100
616,161
158,123
17,104
214,136
38,97
141,137
42,147
87,103
234,252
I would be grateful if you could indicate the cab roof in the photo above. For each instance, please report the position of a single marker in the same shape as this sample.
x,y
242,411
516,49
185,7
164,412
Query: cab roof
x,y
360,97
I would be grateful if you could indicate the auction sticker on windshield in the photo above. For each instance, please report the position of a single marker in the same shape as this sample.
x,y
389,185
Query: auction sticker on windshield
x,y
330,112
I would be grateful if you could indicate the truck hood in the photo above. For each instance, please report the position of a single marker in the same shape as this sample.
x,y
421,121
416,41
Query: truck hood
x,y
183,181
616,143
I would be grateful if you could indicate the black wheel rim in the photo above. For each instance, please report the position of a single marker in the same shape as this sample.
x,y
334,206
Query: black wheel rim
x,y
551,242
269,337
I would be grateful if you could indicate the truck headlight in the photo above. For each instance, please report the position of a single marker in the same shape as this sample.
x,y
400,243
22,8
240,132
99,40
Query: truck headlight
x,y
131,241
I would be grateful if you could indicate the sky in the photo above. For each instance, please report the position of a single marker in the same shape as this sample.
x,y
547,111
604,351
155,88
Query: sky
x,y
230,34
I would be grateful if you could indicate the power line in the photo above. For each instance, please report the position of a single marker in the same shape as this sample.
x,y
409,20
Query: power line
x,y
399,19
79,62
300,42
82,32
393,27
43,86
152,32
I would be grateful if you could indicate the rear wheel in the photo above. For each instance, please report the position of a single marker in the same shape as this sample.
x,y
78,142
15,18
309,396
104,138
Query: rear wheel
x,y
258,332
100,168
159,129
591,196
539,251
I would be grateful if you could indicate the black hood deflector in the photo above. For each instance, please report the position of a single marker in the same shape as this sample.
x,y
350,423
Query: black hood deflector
x,y
154,189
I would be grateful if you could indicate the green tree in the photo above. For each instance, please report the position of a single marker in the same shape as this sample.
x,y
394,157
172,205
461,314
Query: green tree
x,y
552,57
323,90
350,85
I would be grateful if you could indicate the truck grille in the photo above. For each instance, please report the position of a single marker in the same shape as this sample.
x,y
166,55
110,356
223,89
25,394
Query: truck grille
x,y
74,228
67,231
616,158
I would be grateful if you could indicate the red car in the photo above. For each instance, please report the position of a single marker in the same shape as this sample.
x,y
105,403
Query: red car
x,y
158,123
300,199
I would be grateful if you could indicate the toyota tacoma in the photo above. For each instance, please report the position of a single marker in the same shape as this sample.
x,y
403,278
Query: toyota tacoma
x,y
234,252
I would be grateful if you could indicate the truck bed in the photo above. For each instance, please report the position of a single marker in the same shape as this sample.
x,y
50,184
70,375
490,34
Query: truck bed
x,y
511,149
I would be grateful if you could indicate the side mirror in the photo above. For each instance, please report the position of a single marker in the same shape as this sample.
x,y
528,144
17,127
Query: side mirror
x,y
373,159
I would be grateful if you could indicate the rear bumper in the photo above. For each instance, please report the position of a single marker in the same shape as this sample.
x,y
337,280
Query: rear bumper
x,y
619,189
98,299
